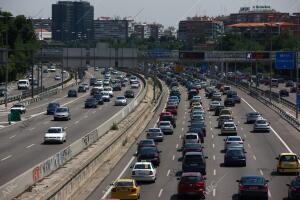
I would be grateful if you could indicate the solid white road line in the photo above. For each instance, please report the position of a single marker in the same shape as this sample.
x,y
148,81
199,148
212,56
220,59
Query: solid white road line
x,y
6,158
160,192
11,137
120,175
277,135
269,194
29,146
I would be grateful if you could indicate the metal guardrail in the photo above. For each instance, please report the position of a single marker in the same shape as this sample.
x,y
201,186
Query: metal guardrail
x,y
22,182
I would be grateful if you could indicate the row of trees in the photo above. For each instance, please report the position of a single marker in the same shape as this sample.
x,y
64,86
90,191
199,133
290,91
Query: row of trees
x,y
17,34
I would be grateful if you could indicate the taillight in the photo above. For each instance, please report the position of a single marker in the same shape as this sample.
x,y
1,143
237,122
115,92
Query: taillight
x,y
242,187
265,188
294,189
114,190
133,190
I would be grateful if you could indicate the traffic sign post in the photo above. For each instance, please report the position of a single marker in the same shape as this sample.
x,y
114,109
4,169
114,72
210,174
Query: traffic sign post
x,y
285,60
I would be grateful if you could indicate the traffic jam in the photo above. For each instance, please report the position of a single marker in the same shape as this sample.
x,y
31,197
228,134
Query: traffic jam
x,y
205,98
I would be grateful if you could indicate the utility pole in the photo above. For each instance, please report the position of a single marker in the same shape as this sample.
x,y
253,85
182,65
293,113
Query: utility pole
x,y
297,69
31,63
271,62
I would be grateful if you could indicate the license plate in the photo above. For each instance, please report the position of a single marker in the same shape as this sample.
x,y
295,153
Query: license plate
x,y
123,190
253,187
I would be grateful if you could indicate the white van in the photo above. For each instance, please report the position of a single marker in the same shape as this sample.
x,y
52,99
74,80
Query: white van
x,y
23,84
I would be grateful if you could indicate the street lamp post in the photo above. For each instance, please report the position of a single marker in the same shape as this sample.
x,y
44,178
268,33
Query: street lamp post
x,y
297,68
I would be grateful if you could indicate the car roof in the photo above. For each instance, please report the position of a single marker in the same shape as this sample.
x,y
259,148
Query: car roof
x,y
142,162
229,122
55,127
234,136
287,154
125,180
191,134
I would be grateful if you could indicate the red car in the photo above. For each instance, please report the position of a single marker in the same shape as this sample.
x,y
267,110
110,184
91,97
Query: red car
x,y
191,184
172,109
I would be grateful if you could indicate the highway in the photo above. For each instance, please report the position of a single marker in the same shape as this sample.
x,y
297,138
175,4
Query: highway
x,y
23,141
48,80
261,148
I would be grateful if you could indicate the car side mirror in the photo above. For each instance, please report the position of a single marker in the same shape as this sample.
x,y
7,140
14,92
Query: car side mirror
x,y
206,157
277,158
288,185
178,178
204,178
238,181
159,151
131,167
267,181
243,139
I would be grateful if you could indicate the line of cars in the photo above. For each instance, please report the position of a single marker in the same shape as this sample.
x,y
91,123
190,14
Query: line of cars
x,y
148,155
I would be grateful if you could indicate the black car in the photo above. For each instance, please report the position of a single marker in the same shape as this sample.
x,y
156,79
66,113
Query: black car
x,y
235,156
72,93
52,107
81,88
233,94
192,92
175,93
149,154
93,81
95,90
2,92
253,187
99,99
129,94
90,103
283,93
218,110
194,162
229,102
145,143
289,84
294,189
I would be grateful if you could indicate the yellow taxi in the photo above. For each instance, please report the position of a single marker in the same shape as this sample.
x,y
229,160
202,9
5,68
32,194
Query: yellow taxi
x,y
287,163
125,189
197,103
226,111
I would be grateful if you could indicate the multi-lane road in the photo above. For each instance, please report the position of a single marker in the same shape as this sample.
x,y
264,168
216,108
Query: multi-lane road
x,y
21,145
261,148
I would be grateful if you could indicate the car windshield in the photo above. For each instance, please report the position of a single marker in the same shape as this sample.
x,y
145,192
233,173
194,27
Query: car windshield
x,y
120,98
61,110
142,166
189,137
252,181
261,122
254,114
154,130
124,184
166,118
235,152
191,179
232,139
148,150
17,106
146,142
164,123
52,105
289,158
228,125
22,82
192,146
197,125
54,130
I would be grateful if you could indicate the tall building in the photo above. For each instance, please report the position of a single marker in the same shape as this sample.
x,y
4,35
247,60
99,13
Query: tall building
x,y
72,20
199,28
111,28
155,30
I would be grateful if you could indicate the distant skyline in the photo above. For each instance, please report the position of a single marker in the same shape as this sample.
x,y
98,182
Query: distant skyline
x,y
166,12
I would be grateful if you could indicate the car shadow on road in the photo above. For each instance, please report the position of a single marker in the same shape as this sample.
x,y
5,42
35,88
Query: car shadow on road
x,y
235,197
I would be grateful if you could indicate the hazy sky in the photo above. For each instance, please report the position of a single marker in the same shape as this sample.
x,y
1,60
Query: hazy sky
x,y
166,12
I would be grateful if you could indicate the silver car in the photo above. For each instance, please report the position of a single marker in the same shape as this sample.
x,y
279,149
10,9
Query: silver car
x,y
191,138
233,142
121,101
62,113
214,104
166,127
261,124
55,135
156,134
252,116
228,127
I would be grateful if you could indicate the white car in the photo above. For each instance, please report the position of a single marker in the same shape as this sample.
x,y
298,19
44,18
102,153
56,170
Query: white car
x,y
233,142
55,135
214,104
261,125
143,171
62,113
87,87
105,96
191,138
57,77
135,84
121,101
106,82
228,127
109,90
23,84
19,107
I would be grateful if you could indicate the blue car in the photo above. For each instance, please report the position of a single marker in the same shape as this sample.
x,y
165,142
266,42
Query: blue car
x,y
52,107
235,156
